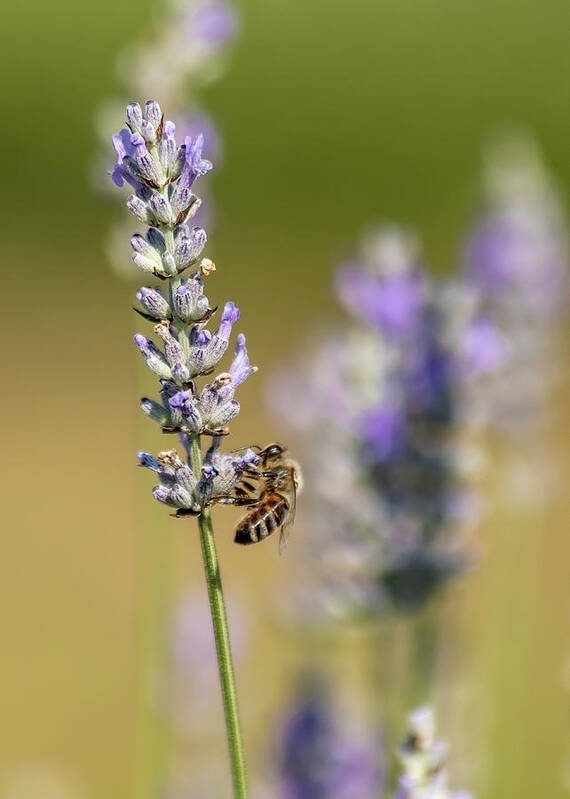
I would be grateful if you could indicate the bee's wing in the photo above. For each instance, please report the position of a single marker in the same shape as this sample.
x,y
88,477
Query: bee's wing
x,y
286,528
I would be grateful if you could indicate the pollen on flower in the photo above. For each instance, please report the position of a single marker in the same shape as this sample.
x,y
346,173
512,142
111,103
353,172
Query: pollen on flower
x,y
162,328
224,378
207,266
169,456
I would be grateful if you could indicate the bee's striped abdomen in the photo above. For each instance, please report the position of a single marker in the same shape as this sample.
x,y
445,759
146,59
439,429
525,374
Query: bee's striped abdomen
x,y
262,520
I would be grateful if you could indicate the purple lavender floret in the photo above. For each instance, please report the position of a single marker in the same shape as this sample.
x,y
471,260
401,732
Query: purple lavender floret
x,y
194,161
240,368
124,148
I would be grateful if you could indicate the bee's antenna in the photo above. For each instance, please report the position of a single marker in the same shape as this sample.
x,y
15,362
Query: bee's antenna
x,y
250,446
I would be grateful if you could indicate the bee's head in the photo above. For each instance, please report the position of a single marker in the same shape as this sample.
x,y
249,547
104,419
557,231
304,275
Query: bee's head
x,y
273,451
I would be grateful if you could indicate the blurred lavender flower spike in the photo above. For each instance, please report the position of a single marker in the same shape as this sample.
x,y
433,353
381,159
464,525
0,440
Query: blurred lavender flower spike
x,y
380,407
322,758
423,760
517,259
188,349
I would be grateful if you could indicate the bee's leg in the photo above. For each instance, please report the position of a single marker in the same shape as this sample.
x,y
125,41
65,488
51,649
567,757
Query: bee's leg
x,y
237,501
217,431
251,471
181,512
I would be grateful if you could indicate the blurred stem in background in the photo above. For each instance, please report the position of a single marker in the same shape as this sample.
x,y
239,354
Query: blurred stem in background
x,y
401,664
153,753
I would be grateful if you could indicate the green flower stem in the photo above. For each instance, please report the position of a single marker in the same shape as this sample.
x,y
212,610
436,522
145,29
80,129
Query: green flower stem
x,y
221,635
223,650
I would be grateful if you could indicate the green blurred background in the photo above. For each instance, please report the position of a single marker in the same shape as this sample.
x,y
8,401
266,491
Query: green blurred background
x,y
333,115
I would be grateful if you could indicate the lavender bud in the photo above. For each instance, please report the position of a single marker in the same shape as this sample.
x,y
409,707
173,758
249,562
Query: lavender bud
x,y
153,303
180,496
156,239
167,150
161,208
178,163
146,256
153,113
156,412
154,359
144,264
148,132
182,200
162,494
186,478
184,413
134,117
140,210
168,264
190,303
142,246
222,414
187,249
180,373
149,169
172,349
166,475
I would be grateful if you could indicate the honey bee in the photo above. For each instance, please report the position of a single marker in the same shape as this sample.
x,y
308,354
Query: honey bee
x,y
270,491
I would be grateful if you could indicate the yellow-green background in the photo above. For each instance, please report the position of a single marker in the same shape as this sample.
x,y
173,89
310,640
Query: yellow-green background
x,y
333,115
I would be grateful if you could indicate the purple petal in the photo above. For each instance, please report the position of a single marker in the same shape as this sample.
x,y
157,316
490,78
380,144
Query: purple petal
x,y
240,368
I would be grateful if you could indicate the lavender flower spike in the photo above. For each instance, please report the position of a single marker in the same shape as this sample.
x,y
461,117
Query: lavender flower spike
x,y
423,759
380,406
